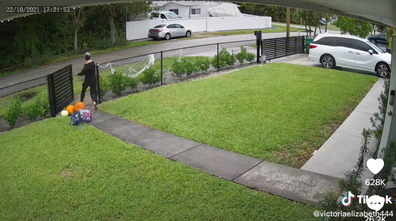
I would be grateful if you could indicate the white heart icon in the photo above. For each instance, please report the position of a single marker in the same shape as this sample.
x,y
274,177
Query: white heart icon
x,y
375,166
375,202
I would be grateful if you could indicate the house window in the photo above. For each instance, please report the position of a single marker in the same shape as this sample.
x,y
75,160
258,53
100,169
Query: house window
x,y
176,11
195,11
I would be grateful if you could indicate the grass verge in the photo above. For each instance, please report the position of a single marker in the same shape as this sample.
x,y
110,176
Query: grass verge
x,y
60,172
276,112
275,29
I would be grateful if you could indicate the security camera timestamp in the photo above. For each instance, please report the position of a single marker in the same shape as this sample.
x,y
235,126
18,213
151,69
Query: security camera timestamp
x,y
37,9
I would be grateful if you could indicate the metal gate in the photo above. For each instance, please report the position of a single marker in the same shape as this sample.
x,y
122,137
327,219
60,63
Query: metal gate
x,y
60,89
281,47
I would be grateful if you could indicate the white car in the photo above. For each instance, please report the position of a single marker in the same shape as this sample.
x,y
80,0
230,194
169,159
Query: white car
x,y
348,51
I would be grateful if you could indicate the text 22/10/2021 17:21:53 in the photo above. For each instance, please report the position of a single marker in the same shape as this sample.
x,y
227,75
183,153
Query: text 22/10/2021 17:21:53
x,y
37,9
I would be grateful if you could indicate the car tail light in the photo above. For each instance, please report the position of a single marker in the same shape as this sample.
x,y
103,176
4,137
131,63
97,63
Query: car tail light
x,y
312,46
160,30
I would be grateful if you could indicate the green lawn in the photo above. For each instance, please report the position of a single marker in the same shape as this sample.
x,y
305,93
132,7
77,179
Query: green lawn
x,y
275,29
61,172
276,112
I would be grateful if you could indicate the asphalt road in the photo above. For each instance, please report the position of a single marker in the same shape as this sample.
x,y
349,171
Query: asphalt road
x,y
126,53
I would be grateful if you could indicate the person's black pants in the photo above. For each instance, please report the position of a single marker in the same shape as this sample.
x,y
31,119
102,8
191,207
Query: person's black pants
x,y
92,86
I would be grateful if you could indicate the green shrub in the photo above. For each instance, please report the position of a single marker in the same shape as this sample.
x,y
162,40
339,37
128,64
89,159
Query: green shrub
x,y
178,69
241,56
250,57
118,82
133,83
225,59
150,77
43,104
202,64
184,66
13,112
104,86
231,60
33,110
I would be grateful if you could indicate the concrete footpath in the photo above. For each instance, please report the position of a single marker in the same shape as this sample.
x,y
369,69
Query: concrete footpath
x,y
294,184
340,152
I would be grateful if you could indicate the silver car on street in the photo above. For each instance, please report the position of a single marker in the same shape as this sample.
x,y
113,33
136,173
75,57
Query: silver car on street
x,y
168,31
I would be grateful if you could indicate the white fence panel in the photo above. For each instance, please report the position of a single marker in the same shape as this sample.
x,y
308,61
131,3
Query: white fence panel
x,y
136,30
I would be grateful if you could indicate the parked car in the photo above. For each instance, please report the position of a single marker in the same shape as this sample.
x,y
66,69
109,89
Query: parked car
x,y
168,15
348,51
168,31
322,21
378,39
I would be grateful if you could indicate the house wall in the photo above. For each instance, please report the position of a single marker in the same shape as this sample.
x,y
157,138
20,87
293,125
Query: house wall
x,y
136,30
204,10
183,10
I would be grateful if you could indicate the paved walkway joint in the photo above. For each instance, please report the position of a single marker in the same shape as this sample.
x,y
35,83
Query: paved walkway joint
x,y
294,184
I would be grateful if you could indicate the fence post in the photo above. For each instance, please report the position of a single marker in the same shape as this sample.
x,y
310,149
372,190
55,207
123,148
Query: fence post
x,y
258,44
218,68
98,95
295,45
161,68
51,94
275,47
287,45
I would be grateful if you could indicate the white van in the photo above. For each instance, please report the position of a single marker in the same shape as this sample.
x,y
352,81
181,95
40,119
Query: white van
x,y
168,15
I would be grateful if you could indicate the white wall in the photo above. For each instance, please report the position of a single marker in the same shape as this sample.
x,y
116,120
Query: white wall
x,y
234,23
183,10
136,30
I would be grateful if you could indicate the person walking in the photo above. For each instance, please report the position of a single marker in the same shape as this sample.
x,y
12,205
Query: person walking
x,y
90,79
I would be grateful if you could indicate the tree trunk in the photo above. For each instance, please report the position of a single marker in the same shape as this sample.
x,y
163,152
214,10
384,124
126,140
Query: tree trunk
x,y
287,22
373,28
76,27
75,39
316,26
326,26
112,27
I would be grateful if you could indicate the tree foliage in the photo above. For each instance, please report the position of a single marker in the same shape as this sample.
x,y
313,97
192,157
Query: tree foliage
x,y
35,39
353,26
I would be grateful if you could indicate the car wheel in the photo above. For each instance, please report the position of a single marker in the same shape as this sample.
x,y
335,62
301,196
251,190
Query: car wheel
x,y
382,69
188,34
373,41
327,61
167,36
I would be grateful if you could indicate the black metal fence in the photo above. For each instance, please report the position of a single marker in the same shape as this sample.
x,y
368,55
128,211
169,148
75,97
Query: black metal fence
x,y
60,89
281,47
171,66
23,103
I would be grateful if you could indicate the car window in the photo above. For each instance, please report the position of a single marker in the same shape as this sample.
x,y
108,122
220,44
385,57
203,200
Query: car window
x,y
343,42
375,47
362,46
163,16
172,15
154,15
179,26
159,26
325,41
171,26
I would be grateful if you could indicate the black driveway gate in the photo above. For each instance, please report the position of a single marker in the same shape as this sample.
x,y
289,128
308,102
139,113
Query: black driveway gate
x,y
281,47
60,89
